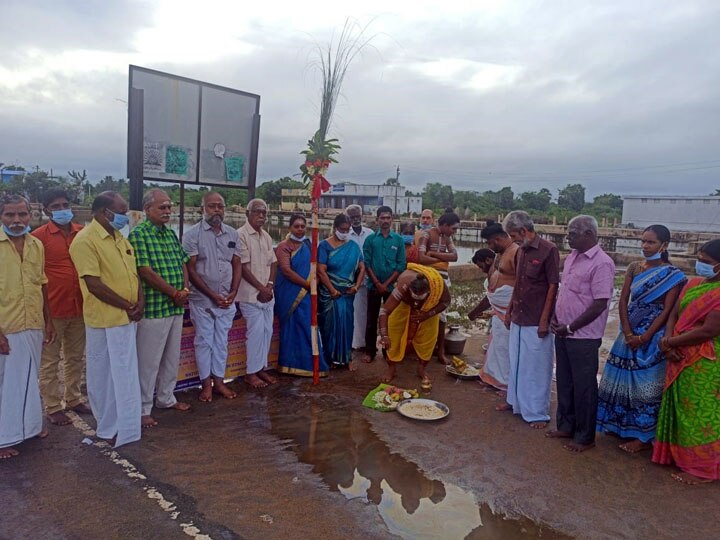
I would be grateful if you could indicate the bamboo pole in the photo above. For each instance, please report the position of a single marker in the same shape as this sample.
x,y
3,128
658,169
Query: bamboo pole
x,y
313,285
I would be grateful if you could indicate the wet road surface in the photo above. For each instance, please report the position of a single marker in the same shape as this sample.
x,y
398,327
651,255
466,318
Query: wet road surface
x,y
297,460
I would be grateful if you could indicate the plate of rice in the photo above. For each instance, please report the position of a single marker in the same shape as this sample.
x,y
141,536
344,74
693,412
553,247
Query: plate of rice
x,y
423,409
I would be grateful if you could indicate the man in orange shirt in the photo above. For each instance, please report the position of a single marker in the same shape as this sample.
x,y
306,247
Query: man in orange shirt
x,y
65,302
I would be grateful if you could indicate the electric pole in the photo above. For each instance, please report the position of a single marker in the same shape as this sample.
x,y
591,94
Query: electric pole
x,y
397,182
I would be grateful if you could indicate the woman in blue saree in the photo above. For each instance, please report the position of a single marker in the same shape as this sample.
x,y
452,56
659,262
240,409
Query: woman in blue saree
x,y
631,388
341,271
292,303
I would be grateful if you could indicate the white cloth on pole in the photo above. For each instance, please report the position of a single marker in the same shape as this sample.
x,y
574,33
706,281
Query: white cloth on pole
x,y
258,332
212,326
20,403
158,346
113,383
531,367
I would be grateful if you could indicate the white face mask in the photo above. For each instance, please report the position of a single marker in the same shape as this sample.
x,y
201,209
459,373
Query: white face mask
x,y
419,296
342,236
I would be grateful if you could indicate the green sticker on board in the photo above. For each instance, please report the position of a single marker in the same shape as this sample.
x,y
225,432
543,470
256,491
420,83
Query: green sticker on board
x,y
234,169
176,160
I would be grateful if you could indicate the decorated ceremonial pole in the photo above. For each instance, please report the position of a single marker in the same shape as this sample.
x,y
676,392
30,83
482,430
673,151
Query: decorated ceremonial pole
x,y
333,62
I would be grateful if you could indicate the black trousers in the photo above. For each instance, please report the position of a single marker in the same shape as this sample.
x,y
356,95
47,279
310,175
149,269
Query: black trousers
x,y
577,389
374,302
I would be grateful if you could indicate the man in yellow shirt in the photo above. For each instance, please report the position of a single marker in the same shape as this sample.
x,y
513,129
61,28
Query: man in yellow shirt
x,y
113,302
23,316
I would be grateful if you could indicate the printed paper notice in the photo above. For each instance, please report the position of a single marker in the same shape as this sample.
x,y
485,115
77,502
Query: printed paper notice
x,y
234,169
176,160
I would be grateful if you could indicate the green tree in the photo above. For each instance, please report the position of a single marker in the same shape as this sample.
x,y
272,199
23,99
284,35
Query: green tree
x,y
535,200
572,197
438,196
392,182
609,200
271,192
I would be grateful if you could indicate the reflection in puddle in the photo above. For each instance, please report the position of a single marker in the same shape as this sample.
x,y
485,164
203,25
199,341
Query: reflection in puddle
x,y
324,432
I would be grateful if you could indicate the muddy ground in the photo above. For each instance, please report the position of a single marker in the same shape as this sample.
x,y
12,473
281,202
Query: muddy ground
x,y
297,460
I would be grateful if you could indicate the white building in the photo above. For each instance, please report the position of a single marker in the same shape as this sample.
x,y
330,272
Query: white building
x,y
677,213
370,197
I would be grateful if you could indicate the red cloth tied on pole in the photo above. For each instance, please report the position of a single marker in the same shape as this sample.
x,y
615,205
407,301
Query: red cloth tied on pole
x,y
320,186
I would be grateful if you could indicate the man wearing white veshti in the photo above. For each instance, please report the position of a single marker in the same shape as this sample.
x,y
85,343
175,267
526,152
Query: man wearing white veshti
x,y
24,313
113,303
358,234
256,296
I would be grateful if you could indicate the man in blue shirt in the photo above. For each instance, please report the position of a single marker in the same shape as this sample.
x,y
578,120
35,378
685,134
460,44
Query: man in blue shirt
x,y
384,253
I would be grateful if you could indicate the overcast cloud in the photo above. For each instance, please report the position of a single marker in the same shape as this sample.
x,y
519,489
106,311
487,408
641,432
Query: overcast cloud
x,y
619,96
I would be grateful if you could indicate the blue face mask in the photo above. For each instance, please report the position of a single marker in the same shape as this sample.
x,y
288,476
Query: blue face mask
x,y
119,221
9,232
408,239
426,226
62,217
655,257
705,270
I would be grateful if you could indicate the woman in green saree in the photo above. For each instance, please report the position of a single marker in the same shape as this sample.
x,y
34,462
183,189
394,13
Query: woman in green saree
x,y
688,431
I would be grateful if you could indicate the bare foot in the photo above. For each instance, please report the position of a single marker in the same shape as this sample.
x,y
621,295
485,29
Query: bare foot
x,y
148,421
367,358
503,407
389,374
265,376
635,446
82,408
220,388
180,406
254,381
443,359
501,393
206,392
59,419
352,366
689,479
538,425
557,434
43,433
7,453
421,371
577,447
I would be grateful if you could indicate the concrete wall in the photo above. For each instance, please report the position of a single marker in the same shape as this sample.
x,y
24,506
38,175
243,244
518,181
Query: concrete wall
x,y
701,214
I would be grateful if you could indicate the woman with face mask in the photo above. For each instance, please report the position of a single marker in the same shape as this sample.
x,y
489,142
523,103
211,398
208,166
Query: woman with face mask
x,y
631,387
688,430
341,271
292,302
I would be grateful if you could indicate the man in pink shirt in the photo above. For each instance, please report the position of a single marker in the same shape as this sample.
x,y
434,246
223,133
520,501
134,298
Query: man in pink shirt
x,y
581,313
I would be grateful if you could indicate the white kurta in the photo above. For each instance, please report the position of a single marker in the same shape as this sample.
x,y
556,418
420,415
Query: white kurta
x,y
531,366
113,383
20,404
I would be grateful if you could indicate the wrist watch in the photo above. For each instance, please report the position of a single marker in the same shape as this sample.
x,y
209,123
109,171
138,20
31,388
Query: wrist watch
x,y
568,330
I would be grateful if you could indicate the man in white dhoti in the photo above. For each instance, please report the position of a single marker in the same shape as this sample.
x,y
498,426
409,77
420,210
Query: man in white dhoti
x,y
24,314
162,267
113,303
528,319
215,273
358,234
256,296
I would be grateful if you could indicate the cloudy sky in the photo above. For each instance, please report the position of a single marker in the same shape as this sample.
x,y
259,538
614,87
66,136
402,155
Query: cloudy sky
x,y
619,96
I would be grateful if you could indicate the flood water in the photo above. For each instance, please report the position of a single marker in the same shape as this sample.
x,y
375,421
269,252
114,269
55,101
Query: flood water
x,y
324,431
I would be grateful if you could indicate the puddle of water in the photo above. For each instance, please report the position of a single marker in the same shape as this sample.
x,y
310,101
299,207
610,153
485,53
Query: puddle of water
x,y
325,432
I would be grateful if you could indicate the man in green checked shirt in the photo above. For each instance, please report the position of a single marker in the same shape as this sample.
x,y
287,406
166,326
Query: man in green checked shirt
x,y
162,267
